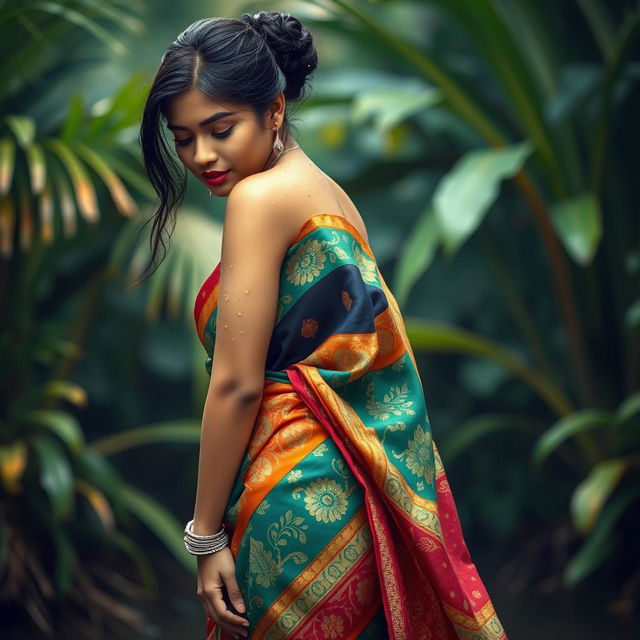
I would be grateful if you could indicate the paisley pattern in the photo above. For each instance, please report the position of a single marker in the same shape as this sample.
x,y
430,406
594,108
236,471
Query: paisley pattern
x,y
341,519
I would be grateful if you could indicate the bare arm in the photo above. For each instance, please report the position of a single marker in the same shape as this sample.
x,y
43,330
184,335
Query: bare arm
x,y
253,246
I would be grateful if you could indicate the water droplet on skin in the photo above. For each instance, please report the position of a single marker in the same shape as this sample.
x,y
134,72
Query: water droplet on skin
x,y
225,326
246,290
242,332
233,339
239,313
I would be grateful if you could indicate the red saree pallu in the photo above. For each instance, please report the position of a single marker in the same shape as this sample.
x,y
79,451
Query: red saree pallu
x,y
341,519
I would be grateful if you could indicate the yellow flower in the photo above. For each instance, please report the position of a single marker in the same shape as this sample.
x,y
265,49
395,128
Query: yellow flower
x,y
307,263
325,499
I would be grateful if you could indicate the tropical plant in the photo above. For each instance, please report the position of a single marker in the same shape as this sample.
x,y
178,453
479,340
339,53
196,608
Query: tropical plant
x,y
528,108
68,517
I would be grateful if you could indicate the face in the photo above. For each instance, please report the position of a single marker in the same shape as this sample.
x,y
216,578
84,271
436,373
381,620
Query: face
x,y
212,136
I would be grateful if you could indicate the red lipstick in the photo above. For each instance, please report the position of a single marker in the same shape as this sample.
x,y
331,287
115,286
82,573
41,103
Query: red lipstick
x,y
215,177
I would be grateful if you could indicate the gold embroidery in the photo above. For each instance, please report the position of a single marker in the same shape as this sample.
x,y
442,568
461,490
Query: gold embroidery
x,y
307,263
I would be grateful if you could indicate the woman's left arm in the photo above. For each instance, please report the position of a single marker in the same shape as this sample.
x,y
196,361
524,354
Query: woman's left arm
x,y
254,244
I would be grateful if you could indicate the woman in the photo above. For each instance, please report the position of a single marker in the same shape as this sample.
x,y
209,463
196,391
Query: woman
x,y
322,508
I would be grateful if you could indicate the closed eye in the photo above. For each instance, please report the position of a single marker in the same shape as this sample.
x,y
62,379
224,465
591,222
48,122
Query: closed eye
x,y
222,134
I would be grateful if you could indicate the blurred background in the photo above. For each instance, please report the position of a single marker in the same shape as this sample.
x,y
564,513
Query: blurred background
x,y
490,146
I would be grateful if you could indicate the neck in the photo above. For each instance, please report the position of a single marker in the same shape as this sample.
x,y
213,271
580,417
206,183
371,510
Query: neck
x,y
288,142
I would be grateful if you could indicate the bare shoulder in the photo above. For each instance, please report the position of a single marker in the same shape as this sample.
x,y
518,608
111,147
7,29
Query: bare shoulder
x,y
264,200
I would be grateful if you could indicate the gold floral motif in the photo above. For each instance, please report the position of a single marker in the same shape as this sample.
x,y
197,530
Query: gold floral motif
x,y
332,626
326,500
262,508
294,475
425,544
307,263
320,450
366,265
347,300
262,561
419,454
476,594
394,402
309,328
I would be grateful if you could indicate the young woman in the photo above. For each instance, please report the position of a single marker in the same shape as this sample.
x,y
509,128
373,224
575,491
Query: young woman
x,y
322,508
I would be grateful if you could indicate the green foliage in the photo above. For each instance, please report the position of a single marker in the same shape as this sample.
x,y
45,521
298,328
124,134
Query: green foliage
x,y
54,486
525,109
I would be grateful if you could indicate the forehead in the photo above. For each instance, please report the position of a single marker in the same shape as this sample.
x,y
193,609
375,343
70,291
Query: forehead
x,y
188,109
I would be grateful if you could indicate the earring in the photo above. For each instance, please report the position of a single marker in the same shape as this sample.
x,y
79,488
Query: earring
x,y
210,193
278,145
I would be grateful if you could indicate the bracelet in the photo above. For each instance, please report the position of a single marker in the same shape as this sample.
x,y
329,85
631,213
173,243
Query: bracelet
x,y
199,545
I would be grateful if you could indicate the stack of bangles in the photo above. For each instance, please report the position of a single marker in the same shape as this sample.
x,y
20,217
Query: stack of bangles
x,y
200,545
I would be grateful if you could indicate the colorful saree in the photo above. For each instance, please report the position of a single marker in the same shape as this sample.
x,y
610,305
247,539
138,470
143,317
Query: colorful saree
x,y
341,520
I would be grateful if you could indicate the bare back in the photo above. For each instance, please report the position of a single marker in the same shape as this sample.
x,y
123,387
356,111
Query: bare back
x,y
311,191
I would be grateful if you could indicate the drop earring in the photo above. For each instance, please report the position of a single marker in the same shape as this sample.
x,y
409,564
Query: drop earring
x,y
210,193
278,145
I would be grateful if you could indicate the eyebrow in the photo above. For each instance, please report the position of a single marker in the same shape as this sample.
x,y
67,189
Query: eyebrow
x,y
209,120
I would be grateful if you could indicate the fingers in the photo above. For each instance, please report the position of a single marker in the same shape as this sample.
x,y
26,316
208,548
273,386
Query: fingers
x,y
217,610
235,595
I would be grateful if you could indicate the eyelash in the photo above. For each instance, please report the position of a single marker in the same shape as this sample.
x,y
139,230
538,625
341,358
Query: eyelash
x,y
224,134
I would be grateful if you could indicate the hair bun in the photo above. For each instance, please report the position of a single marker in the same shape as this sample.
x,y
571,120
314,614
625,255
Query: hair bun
x,y
292,46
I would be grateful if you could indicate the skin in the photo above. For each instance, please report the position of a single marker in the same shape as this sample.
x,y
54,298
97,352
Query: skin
x,y
246,151
265,200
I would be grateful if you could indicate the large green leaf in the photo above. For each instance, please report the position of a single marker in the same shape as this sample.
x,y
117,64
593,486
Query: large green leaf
x,y
598,545
23,128
509,64
97,470
84,21
121,197
578,223
7,163
63,424
466,193
179,431
569,426
458,97
629,407
390,107
84,189
161,522
416,255
55,475
468,433
591,494
435,336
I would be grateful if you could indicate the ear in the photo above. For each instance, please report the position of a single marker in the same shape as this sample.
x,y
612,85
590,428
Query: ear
x,y
277,109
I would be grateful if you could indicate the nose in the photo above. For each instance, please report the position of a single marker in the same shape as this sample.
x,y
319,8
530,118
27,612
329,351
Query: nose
x,y
205,153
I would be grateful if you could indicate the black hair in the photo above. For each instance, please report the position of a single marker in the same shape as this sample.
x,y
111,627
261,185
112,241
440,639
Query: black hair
x,y
247,61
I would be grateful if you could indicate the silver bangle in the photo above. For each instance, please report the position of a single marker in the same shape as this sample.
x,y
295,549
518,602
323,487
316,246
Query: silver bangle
x,y
199,545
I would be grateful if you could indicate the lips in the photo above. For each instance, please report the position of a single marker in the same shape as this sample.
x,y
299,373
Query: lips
x,y
213,174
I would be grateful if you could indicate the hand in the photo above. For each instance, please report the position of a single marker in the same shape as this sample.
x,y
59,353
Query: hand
x,y
217,574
